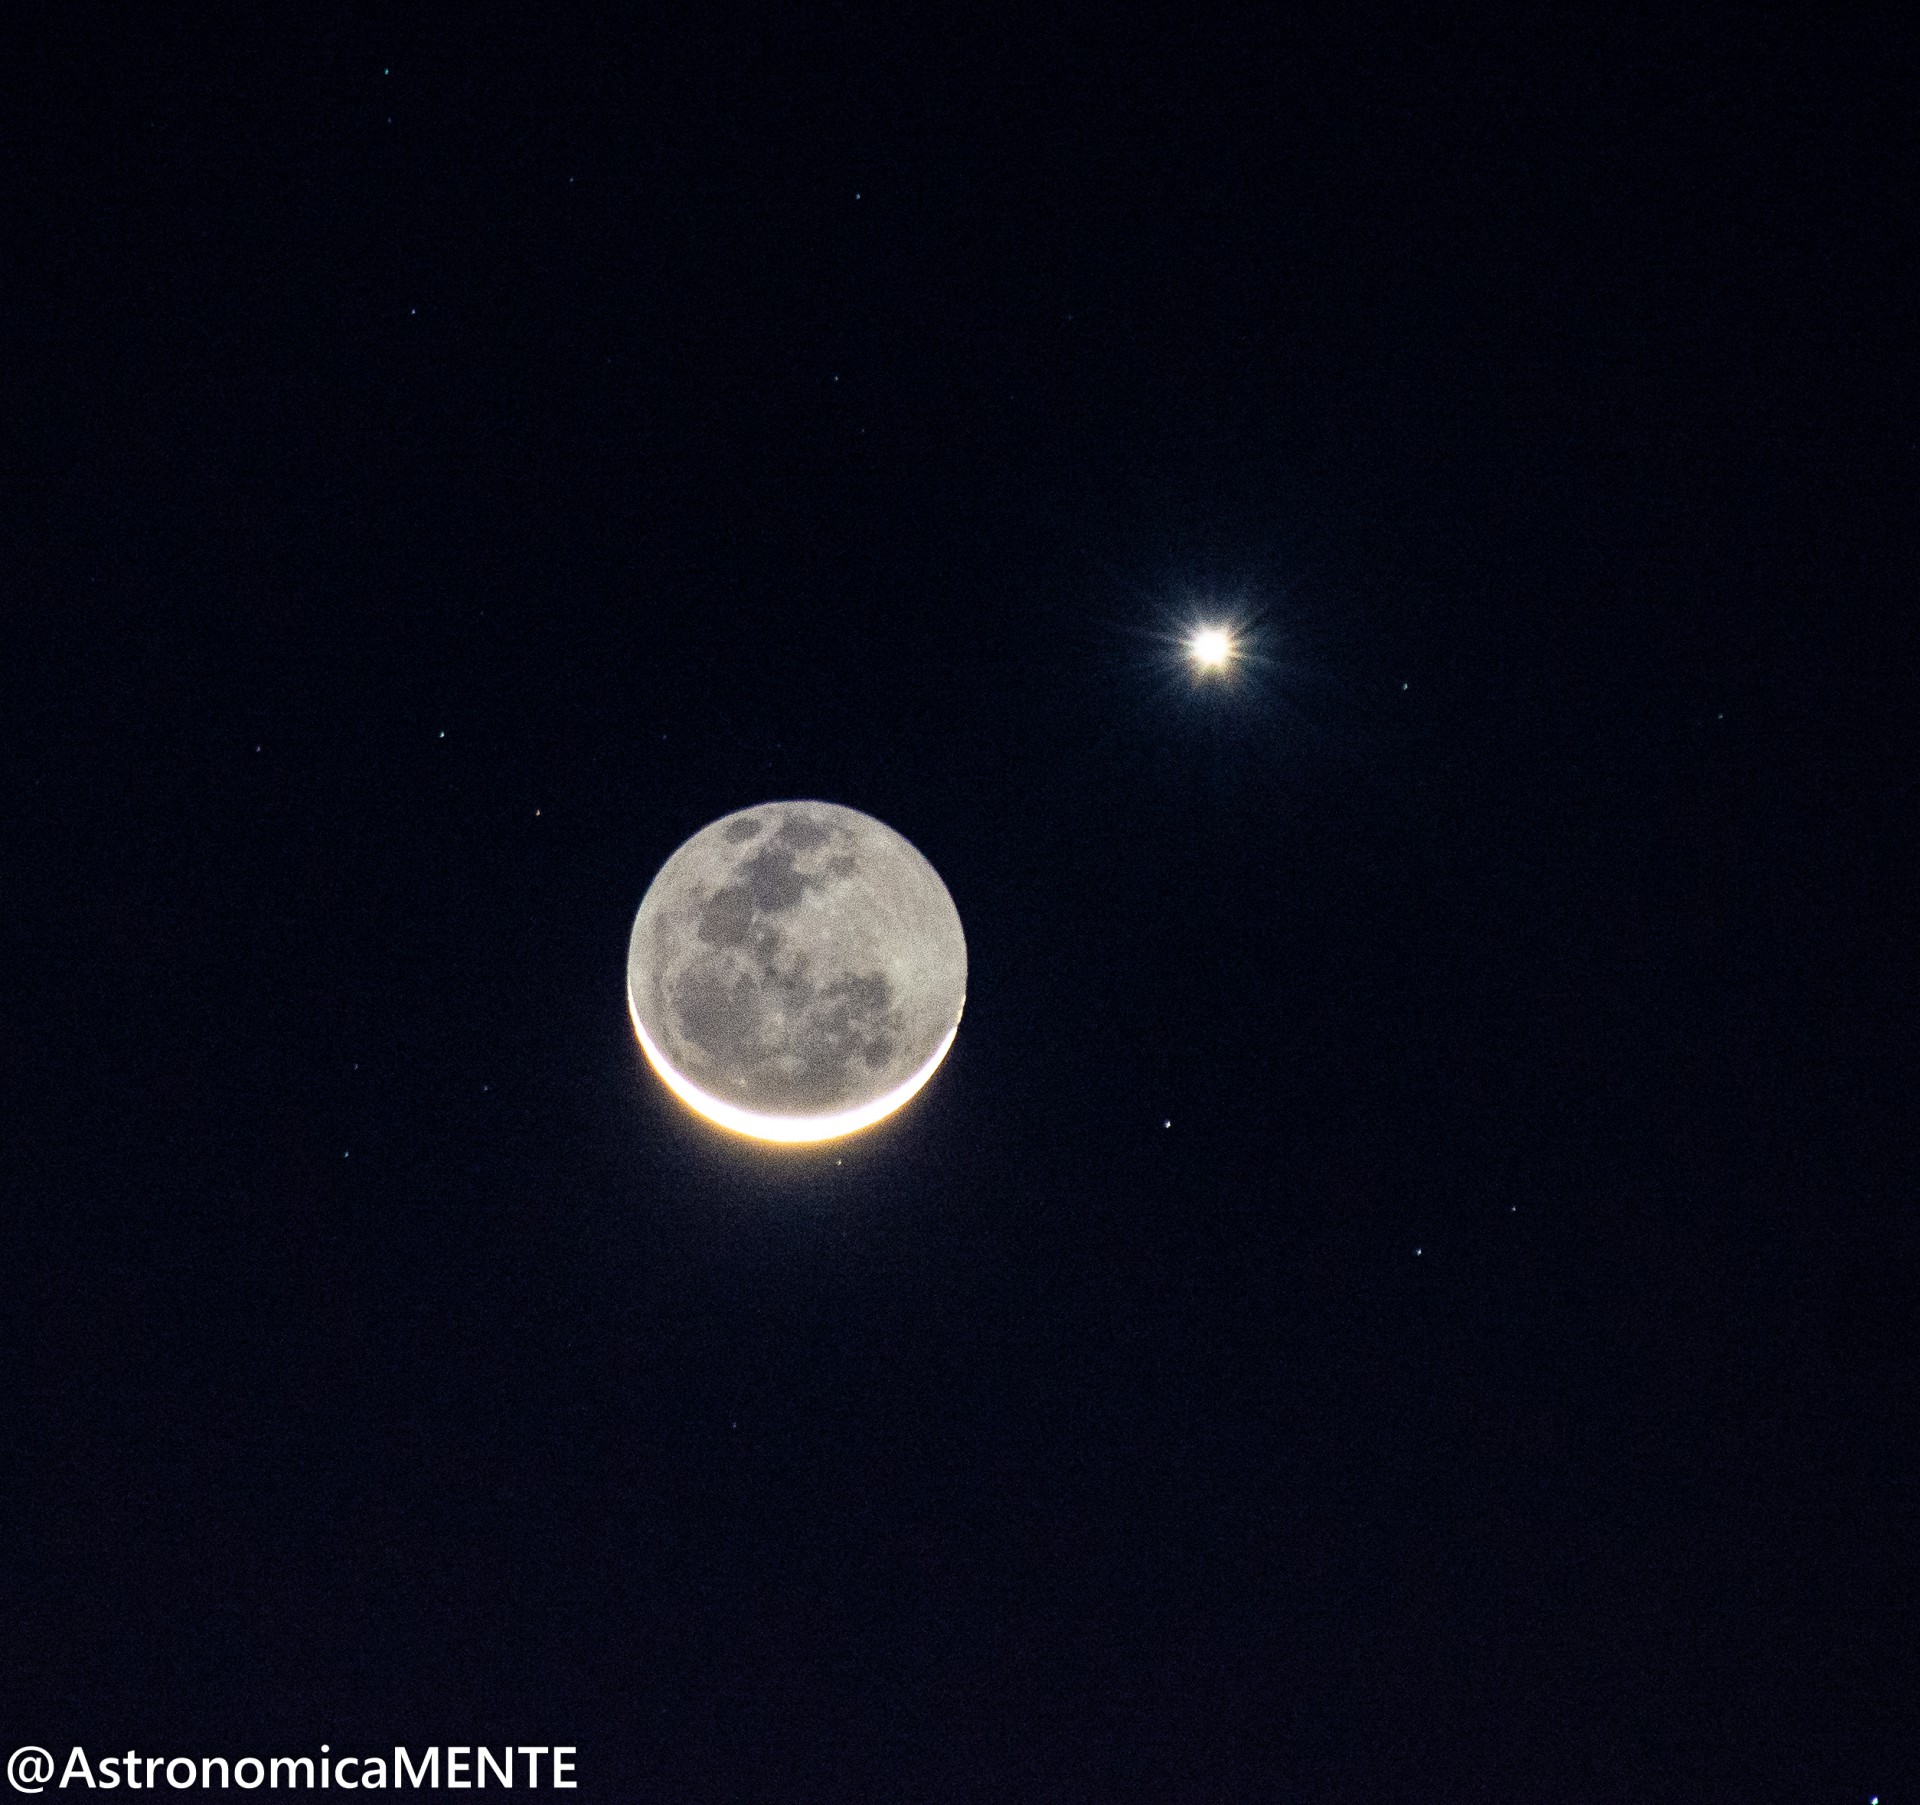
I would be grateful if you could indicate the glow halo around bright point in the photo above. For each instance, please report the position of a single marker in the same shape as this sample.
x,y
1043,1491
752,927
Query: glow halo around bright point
x,y
791,1131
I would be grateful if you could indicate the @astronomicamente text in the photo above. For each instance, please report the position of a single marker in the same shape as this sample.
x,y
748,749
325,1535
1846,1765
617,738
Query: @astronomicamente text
x,y
523,1766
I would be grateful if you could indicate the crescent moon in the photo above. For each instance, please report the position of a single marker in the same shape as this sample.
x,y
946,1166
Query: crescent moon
x,y
796,972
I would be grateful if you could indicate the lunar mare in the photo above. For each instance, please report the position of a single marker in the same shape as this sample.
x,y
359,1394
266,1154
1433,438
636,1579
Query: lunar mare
x,y
796,971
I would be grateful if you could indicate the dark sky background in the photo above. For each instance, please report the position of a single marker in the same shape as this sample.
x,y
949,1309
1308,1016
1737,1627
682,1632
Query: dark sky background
x,y
448,464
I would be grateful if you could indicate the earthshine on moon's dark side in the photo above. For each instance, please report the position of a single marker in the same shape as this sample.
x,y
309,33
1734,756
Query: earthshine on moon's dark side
x,y
796,971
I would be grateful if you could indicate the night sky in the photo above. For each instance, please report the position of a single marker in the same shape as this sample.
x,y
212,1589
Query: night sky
x,y
1405,1287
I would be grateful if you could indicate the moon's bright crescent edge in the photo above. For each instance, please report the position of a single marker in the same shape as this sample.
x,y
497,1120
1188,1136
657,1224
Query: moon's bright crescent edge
x,y
791,1130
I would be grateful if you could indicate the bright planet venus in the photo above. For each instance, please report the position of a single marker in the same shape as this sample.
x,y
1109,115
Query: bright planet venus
x,y
796,971
1211,648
